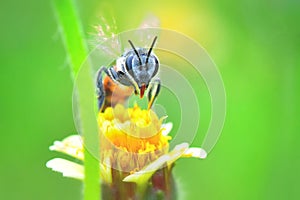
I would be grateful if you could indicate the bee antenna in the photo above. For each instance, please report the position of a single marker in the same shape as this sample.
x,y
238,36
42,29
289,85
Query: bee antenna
x,y
135,51
152,45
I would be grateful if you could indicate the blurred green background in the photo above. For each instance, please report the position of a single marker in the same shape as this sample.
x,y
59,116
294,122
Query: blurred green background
x,y
256,46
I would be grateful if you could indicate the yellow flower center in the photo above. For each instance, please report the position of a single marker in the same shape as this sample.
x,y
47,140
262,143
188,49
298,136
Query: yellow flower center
x,y
133,129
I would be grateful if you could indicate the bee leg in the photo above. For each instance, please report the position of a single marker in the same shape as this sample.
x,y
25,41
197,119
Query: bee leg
x,y
124,79
100,88
153,92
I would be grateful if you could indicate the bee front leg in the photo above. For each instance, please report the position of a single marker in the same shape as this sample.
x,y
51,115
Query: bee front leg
x,y
153,92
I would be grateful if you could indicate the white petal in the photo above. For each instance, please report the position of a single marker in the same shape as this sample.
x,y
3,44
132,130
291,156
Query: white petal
x,y
106,171
166,128
145,174
71,145
67,168
195,152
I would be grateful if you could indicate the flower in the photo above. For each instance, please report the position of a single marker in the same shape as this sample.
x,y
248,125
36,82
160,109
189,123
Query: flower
x,y
135,159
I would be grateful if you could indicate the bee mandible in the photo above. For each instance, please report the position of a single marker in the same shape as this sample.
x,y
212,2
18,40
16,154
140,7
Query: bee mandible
x,y
135,68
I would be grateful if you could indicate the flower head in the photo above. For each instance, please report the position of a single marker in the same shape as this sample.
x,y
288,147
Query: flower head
x,y
134,153
131,134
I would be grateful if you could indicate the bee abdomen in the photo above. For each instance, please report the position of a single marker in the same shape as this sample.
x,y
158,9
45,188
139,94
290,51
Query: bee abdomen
x,y
115,93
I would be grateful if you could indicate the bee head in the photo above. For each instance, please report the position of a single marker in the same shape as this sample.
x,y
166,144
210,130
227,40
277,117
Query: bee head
x,y
143,66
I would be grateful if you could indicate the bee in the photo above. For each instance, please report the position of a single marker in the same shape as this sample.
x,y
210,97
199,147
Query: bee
x,y
132,73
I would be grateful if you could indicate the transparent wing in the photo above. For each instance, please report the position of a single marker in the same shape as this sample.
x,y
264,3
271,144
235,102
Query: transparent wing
x,y
109,45
150,21
106,38
148,29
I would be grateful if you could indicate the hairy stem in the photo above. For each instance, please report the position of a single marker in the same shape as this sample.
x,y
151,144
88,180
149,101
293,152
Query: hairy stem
x,y
72,35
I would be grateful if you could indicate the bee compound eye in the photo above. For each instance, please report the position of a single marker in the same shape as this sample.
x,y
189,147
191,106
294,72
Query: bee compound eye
x,y
152,60
156,60
129,63
156,66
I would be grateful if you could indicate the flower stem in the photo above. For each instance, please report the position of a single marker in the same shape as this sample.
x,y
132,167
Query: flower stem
x,y
72,35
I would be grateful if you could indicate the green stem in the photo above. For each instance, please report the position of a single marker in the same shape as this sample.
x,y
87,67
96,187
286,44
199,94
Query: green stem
x,y
72,35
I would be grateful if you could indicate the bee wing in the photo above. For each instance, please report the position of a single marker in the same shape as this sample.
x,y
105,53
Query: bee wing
x,y
146,32
106,38
150,21
109,42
